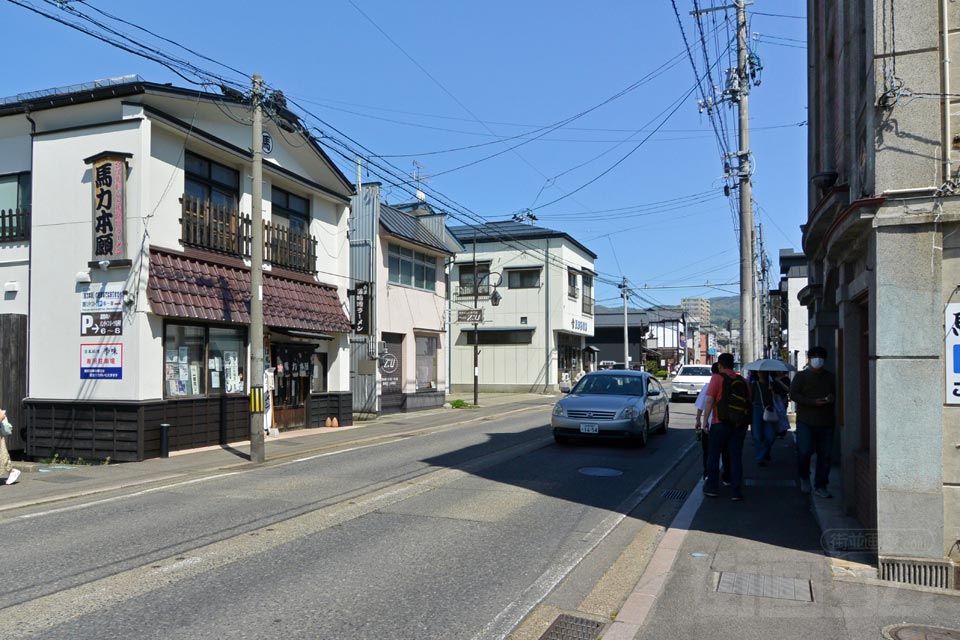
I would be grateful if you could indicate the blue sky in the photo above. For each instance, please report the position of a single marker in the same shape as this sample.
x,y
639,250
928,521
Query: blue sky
x,y
502,69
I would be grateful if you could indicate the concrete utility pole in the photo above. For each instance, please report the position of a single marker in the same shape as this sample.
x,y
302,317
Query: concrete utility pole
x,y
257,452
626,325
747,340
476,332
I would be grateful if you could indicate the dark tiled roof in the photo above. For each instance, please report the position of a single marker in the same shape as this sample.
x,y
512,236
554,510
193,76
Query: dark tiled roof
x,y
508,230
409,227
190,288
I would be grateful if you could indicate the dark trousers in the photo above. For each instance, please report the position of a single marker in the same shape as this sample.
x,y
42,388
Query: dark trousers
x,y
724,456
725,436
813,439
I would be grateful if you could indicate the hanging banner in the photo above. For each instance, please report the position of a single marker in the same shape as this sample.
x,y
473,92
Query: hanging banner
x,y
109,179
952,323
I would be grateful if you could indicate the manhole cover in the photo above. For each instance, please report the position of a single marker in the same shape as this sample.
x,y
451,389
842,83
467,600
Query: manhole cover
x,y
675,494
749,584
567,627
920,632
600,472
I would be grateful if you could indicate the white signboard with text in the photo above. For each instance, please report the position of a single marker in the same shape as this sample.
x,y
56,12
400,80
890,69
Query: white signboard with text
x,y
952,323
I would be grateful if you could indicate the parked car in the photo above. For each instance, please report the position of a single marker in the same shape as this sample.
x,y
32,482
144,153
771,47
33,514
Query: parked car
x,y
689,380
613,404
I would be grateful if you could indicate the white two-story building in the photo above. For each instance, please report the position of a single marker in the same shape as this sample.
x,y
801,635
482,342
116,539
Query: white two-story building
x,y
534,288
131,266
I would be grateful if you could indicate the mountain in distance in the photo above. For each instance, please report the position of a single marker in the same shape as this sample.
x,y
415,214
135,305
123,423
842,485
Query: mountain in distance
x,y
725,308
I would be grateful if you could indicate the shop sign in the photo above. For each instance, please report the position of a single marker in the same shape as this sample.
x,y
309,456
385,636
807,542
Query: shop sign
x,y
101,324
952,324
102,298
361,308
470,315
579,326
101,361
109,181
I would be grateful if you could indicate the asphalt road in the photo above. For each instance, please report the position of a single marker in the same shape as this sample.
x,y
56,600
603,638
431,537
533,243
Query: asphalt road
x,y
455,533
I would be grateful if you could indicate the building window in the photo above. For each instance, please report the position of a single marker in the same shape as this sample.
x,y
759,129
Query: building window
x,y
572,290
290,210
467,279
426,363
587,294
203,361
501,337
412,268
523,278
319,373
208,180
14,204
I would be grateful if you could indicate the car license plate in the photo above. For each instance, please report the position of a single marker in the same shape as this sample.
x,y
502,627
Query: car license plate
x,y
589,427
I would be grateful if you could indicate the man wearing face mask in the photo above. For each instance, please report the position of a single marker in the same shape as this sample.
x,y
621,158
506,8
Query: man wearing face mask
x,y
814,392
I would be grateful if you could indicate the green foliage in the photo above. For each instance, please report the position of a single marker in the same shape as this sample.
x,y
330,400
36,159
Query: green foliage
x,y
661,374
461,404
652,366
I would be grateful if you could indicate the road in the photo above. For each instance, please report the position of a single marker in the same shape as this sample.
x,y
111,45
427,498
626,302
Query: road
x,y
454,532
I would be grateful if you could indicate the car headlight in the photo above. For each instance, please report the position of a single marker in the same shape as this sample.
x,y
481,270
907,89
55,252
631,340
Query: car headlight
x,y
629,413
558,411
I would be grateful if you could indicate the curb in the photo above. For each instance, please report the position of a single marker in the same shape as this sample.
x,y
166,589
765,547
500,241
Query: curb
x,y
633,614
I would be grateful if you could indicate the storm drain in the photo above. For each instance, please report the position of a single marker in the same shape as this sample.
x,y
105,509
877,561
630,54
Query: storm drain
x,y
61,478
916,571
675,494
567,627
750,584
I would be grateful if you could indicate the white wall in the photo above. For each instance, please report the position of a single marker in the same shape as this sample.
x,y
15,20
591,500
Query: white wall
x,y
798,333
14,256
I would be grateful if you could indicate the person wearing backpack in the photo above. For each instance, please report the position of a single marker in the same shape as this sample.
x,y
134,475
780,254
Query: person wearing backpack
x,y
814,392
730,409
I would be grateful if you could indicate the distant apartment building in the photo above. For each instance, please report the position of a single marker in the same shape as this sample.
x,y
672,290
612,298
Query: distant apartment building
x,y
696,309
794,323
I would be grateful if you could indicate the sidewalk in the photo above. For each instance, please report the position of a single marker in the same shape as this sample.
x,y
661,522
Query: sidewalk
x,y
756,569
42,484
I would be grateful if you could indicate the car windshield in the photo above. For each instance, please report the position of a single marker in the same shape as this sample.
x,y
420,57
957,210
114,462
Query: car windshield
x,y
695,371
611,385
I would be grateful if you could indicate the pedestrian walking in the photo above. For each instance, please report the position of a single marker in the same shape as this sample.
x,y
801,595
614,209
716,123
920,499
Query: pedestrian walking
x,y
729,407
703,431
764,423
813,390
6,465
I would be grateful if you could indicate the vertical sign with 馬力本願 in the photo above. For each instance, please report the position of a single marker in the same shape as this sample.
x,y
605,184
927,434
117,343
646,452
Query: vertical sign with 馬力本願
x,y
952,323
109,180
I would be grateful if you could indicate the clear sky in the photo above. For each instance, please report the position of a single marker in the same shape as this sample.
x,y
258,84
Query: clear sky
x,y
407,79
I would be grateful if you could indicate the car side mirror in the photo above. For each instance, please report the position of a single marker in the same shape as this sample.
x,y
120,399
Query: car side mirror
x,y
566,390
652,393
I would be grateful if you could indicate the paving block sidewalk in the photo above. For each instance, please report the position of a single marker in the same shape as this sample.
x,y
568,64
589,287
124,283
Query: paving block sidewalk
x,y
756,569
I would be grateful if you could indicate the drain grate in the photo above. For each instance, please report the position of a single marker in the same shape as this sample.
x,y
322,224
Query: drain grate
x,y
917,571
750,584
567,627
61,478
675,494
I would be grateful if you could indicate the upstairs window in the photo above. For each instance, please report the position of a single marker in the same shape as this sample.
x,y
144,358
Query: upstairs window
x,y
572,289
208,180
14,191
468,278
412,268
523,278
291,209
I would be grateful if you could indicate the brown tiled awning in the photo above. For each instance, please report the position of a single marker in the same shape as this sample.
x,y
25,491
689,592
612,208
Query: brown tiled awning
x,y
190,288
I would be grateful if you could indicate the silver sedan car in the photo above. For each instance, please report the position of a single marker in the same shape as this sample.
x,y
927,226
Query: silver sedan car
x,y
612,405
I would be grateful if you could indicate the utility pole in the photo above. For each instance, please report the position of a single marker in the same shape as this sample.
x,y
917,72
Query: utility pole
x,y
626,338
476,332
747,353
257,450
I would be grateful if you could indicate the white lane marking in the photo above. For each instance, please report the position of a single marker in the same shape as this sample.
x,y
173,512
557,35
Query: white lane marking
x,y
125,496
502,625
137,494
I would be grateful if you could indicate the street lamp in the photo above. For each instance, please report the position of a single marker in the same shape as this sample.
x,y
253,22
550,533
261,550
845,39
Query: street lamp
x,y
493,280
